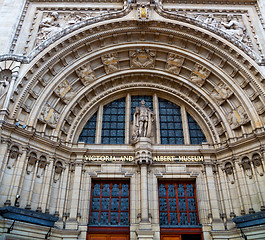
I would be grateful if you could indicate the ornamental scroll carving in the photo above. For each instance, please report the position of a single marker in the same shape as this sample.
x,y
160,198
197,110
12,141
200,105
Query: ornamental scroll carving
x,y
174,63
199,74
110,62
49,115
65,91
237,117
142,58
86,74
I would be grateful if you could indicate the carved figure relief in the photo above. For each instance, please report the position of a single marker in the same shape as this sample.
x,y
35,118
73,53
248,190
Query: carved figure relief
x,y
258,164
143,13
13,156
110,62
229,172
65,91
142,58
199,74
142,121
237,117
86,74
221,92
5,78
174,63
49,115
58,169
31,162
247,167
41,166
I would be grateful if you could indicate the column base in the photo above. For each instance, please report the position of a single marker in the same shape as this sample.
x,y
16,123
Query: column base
x,y
145,234
218,224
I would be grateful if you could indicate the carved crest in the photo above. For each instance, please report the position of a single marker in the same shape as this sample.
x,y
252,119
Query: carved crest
x,y
199,74
86,74
221,92
111,63
65,91
49,115
237,117
142,58
143,13
174,63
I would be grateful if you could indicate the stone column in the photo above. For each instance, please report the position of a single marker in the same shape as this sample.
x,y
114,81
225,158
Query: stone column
x,y
127,118
157,121
4,150
143,157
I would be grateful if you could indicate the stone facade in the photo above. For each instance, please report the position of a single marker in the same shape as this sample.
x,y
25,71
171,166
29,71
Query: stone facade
x,y
62,61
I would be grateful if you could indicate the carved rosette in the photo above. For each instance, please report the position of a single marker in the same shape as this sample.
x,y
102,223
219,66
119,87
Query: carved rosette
x,y
110,62
65,91
199,74
86,74
49,115
174,63
237,117
142,58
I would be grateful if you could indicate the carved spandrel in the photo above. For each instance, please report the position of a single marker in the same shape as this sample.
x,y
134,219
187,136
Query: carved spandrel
x,y
110,62
174,63
199,74
65,91
142,58
86,74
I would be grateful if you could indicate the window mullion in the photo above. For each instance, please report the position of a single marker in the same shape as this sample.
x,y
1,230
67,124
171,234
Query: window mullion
x,y
157,122
177,201
185,125
186,199
127,118
168,213
100,203
120,186
99,125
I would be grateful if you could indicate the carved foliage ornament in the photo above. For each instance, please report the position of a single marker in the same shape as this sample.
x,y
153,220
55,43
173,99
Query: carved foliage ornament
x,y
110,62
174,63
237,117
142,58
86,74
199,74
65,91
49,115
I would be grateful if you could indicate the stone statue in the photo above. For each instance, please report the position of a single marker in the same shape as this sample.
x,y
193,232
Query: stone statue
x,y
111,63
199,74
174,63
211,20
86,74
142,121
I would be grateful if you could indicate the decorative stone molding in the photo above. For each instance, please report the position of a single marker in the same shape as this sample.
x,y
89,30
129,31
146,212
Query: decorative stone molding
x,y
174,63
110,62
199,74
86,74
142,58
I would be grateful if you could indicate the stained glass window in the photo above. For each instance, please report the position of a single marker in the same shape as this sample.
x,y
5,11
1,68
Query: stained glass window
x,y
89,131
109,204
177,204
113,125
171,130
196,134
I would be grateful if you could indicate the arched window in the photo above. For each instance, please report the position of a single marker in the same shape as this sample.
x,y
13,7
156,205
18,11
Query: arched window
x,y
172,125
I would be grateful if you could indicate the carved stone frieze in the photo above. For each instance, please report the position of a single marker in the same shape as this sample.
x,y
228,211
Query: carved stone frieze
x,y
221,92
174,63
86,74
199,74
65,91
237,117
49,115
142,58
110,62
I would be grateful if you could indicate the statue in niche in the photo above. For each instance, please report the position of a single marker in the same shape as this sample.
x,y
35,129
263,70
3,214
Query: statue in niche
x,y
199,74
65,91
31,162
49,115
5,78
142,58
233,27
142,121
258,164
174,63
58,169
110,62
247,167
86,74
13,156
229,172
49,26
221,92
41,166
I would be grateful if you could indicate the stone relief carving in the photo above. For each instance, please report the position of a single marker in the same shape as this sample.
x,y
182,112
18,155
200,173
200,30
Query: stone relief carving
x,y
55,21
237,117
86,74
221,92
142,58
174,63
258,164
247,167
41,166
5,78
49,115
143,13
31,162
13,156
58,169
229,172
142,121
65,91
199,74
110,62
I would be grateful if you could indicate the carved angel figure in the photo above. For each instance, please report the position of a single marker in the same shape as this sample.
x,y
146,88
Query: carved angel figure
x,y
142,121
86,74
